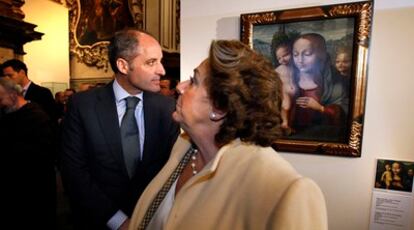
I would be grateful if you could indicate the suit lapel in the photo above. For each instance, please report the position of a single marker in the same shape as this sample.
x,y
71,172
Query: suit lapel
x,y
29,91
108,119
151,126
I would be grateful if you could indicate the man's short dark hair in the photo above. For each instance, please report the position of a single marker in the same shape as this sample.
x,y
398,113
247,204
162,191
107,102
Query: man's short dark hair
x,y
16,65
124,45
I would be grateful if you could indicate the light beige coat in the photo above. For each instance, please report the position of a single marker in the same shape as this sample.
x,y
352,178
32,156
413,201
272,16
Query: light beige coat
x,y
243,187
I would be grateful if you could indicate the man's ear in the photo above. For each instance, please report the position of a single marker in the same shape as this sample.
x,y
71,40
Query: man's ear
x,y
122,65
21,73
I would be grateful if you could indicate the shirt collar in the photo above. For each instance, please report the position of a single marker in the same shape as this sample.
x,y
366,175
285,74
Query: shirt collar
x,y
121,93
27,86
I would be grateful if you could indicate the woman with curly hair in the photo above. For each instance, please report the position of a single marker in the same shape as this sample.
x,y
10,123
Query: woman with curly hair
x,y
223,172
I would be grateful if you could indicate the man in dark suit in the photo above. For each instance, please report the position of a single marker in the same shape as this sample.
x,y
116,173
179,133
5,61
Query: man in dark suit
x,y
101,189
17,71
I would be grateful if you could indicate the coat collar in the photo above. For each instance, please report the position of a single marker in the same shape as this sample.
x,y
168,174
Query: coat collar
x,y
108,119
211,167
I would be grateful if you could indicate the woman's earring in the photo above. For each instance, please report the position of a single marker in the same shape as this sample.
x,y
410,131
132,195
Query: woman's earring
x,y
179,91
213,116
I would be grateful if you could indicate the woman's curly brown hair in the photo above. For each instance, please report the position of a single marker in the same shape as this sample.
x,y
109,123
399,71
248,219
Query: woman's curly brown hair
x,y
244,84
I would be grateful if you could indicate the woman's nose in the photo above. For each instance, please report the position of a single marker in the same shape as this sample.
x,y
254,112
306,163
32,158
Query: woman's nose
x,y
182,86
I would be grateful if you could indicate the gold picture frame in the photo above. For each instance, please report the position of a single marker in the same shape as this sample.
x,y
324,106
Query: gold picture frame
x,y
87,44
342,25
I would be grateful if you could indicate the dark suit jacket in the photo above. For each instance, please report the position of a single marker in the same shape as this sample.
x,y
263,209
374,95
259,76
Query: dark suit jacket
x,y
43,97
28,176
93,168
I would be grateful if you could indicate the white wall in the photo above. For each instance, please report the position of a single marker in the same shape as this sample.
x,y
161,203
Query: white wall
x,y
48,59
388,129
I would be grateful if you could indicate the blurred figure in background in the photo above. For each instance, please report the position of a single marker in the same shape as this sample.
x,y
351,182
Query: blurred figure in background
x,y
27,148
1,76
168,86
60,105
85,86
18,72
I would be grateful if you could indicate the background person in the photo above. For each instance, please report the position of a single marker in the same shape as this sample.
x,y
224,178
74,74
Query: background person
x,y
103,186
27,149
18,72
60,105
226,174
85,86
168,86
67,94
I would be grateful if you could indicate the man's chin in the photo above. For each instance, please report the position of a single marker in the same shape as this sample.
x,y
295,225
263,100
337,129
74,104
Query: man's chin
x,y
154,89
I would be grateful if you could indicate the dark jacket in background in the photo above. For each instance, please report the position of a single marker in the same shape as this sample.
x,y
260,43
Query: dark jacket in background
x,y
29,183
43,97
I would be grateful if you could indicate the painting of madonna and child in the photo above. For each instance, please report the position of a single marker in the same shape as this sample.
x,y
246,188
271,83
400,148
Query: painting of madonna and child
x,y
314,60
394,175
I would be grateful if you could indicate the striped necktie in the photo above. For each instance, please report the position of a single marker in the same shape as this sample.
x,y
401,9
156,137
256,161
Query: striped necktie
x,y
130,136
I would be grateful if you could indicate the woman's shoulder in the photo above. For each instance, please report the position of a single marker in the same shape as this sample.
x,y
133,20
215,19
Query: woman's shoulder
x,y
181,145
262,160
262,169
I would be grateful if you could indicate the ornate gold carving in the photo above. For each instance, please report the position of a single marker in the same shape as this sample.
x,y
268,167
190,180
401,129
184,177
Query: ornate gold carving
x,y
356,135
353,147
336,149
265,18
302,13
248,20
63,2
360,81
177,23
364,12
246,30
96,54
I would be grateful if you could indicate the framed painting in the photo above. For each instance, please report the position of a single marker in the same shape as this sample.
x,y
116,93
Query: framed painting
x,y
320,54
93,23
394,175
